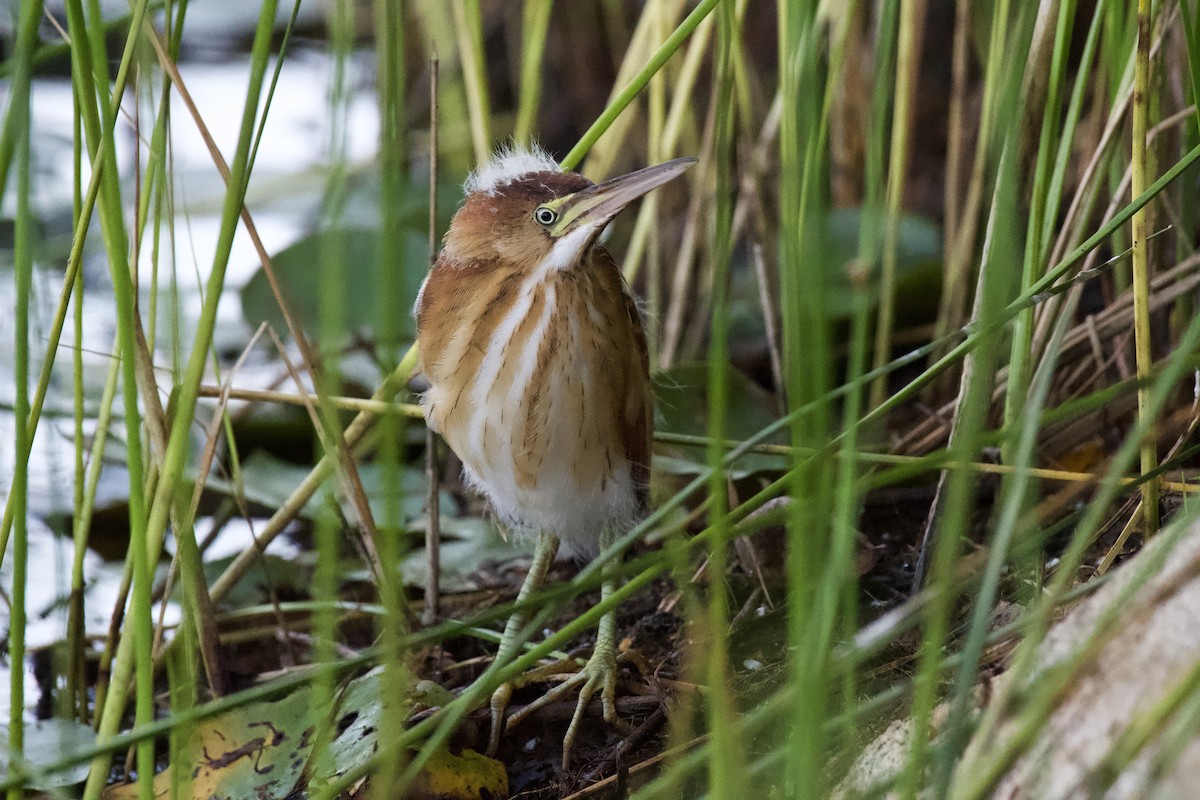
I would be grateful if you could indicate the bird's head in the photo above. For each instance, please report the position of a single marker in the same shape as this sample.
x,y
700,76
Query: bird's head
x,y
521,207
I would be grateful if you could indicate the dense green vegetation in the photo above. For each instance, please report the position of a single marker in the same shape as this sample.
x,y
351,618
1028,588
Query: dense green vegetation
x,y
937,262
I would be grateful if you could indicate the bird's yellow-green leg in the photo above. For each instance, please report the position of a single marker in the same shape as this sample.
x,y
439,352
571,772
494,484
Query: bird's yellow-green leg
x,y
599,674
543,555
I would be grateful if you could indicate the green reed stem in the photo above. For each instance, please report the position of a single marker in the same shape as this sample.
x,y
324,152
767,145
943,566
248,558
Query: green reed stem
x,y
535,25
1141,262
726,762
18,118
908,62
468,24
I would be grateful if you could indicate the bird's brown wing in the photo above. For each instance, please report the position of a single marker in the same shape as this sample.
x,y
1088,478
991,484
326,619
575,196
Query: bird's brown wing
x,y
639,404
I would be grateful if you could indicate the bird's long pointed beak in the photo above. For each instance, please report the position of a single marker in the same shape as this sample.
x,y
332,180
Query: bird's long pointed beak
x,y
594,206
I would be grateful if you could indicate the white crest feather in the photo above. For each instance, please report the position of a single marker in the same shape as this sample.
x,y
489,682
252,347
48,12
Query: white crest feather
x,y
506,165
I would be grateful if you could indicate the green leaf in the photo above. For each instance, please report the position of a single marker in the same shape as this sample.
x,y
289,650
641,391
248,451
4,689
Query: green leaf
x,y
355,253
447,775
258,750
268,481
681,401
459,560
918,250
46,742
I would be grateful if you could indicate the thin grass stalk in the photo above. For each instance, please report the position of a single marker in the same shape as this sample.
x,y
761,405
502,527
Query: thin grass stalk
x,y
535,25
178,443
197,606
1020,352
950,514
96,107
841,586
908,65
83,514
393,157
1062,162
687,272
438,28
648,213
182,678
157,182
1140,229
76,672
806,370
19,117
1116,78
743,90
726,767
956,133
24,48
331,312
1186,201
199,612
952,308
468,27
1078,214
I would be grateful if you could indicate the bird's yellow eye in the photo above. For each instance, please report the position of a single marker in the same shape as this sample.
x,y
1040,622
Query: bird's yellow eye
x,y
545,215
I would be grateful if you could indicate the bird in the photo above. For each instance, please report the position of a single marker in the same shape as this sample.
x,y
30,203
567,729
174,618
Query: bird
x,y
537,372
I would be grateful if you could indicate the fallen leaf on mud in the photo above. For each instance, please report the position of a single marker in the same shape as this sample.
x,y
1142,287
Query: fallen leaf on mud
x,y
256,751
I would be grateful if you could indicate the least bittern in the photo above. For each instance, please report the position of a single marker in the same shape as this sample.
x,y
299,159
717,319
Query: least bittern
x,y
538,375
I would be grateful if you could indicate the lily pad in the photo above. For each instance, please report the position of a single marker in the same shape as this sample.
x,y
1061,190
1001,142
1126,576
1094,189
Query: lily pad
x,y
459,560
681,400
47,742
356,253
268,481
918,257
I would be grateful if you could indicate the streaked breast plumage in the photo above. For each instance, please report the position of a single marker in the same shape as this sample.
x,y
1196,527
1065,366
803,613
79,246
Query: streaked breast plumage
x,y
537,365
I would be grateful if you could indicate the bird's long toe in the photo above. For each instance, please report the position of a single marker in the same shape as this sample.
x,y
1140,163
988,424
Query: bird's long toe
x,y
600,674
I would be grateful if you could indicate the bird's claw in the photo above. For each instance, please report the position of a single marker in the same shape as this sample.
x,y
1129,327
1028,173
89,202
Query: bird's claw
x,y
498,704
599,674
